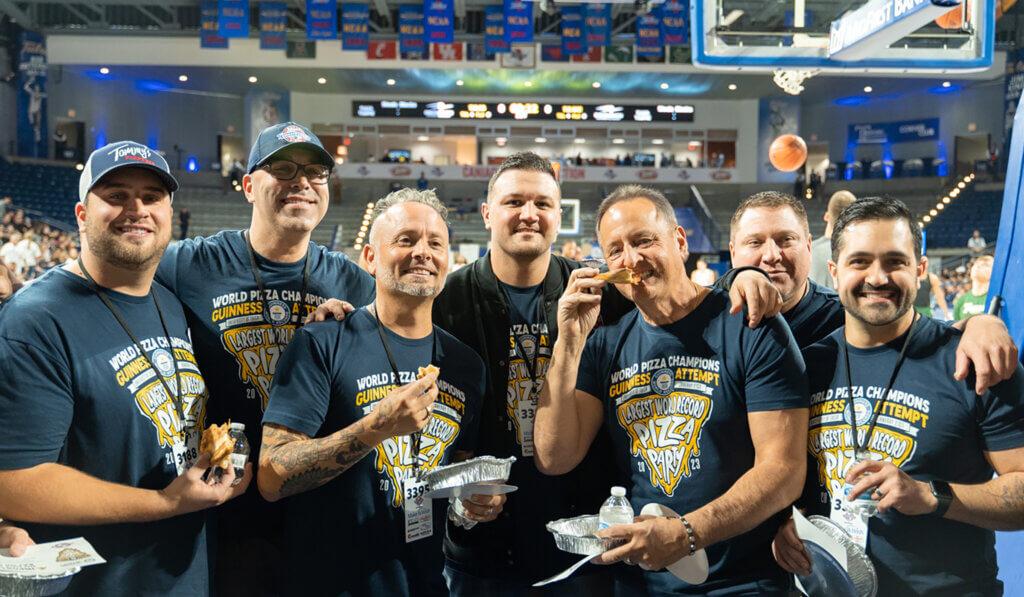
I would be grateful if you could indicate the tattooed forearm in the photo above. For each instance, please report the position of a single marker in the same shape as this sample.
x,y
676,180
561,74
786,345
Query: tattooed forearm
x,y
292,462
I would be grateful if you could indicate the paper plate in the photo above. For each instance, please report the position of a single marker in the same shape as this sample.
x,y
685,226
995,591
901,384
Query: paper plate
x,y
691,569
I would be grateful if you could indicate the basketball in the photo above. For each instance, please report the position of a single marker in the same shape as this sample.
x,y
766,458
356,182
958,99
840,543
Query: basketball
x,y
787,153
953,19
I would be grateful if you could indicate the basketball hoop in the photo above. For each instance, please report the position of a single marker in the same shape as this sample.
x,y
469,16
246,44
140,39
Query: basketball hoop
x,y
792,81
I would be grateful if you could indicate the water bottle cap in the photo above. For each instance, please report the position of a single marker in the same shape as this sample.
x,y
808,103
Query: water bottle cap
x,y
238,426
619,491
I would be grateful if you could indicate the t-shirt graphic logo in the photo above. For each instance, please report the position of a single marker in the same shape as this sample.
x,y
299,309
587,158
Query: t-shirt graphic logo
x,y
164,362
529,344
278,313
395,454
521,397
663,381
900,421
257,349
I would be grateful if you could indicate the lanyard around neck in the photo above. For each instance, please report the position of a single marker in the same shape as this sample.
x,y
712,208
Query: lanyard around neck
x,y
259,279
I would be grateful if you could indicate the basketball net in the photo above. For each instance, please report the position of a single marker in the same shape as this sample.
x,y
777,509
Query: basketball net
x,y
792,81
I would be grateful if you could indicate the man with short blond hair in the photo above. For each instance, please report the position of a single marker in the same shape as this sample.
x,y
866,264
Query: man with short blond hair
x,y
821,250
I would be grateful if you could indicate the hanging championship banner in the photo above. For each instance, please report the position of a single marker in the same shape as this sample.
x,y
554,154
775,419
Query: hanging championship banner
x,y
355,26
574,42
648,33
494,30
518,21
448,52
410,29
321,19
32,132
598,24
209,36
439,16
233,18
273,25
673,23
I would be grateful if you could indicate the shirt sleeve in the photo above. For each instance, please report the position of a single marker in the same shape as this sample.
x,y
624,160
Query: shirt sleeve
x,y
301,391
1002,414
361,288
590,377
36,405
775,376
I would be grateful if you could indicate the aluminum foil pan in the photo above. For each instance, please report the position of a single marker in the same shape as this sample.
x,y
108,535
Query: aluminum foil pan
x,y
576,535
482,469
858,565
36,585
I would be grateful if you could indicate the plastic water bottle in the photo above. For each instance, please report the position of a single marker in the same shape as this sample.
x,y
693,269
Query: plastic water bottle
x,y
615,510
241,454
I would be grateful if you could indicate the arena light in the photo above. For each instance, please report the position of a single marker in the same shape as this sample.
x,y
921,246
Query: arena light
x,y
579,141
618,141
868,89
183,78
253,79
940,206
596,84
79,167
946,84
501,140
460,83
527,83
657,141
391,82
322,80
369,205
961,185
732,86
423,138
954,192
539,140
104,70
933,213
927,219
663,86
946,200
363,228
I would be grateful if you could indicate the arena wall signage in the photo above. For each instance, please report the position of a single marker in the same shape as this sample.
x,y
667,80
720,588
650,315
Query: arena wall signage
x,y
382,171
273,25
904,131
441,110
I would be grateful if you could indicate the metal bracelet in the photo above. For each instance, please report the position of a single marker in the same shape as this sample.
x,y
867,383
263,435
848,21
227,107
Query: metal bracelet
x,y
690,535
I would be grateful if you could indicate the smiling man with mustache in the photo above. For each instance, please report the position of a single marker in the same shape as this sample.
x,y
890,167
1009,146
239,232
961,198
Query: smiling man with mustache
x,y
888,420
245,293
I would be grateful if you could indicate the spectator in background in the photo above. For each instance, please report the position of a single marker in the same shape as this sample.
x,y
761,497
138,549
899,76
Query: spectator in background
x,y
10,253
5,205
972,302
571,250
702,275
976,243
9,283
821,247
458,261
183,219
422,182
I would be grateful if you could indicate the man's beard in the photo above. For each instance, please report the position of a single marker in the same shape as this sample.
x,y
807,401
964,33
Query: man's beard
x,y
105,245
880,317
418,290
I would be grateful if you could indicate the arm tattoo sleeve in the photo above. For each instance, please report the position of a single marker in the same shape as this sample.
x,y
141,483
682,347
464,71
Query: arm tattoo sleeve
x,y
303,463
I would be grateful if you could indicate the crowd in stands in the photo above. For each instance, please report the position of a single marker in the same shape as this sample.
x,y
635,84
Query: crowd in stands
x,y
966,287
28,248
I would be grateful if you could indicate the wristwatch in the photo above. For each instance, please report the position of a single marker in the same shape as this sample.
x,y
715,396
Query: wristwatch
x,y
943,495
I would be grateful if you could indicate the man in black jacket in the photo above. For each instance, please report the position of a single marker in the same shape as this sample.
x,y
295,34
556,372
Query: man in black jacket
x,y
504,307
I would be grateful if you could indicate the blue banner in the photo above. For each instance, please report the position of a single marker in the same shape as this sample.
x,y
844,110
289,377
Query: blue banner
x,y
673,23
648,33
209,35
32,131
321,19
410,29
494,30
518,21
355,26
574,40
904,131
273,25
440,21
233,18
598,24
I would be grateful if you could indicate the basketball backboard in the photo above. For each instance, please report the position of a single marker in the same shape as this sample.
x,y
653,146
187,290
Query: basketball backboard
x,y
878,36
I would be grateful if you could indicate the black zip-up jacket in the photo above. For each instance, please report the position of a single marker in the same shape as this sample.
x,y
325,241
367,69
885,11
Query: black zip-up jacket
x,y
516,546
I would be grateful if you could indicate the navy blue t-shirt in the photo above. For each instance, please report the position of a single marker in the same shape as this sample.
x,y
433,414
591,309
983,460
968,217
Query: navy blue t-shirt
x,y
933,428
676,400
348,536
75,391
529,347
818,314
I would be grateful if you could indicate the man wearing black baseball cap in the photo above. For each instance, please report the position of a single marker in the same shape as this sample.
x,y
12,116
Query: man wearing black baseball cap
x,y
245,293
100,397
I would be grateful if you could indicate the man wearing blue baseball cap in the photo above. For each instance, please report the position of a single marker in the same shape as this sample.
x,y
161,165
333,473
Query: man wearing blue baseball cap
x,y
245,293
101,399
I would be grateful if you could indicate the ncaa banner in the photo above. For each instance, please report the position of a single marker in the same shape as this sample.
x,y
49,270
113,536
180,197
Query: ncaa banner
x,y
410,29
32,132
355,26
233,18
574,41
209,26
494,30
440,21
648,33
321,19
673,23
518,21
598,24
273,25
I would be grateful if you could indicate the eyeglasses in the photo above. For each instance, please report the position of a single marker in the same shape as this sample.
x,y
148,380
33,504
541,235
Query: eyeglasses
x,y
288,170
